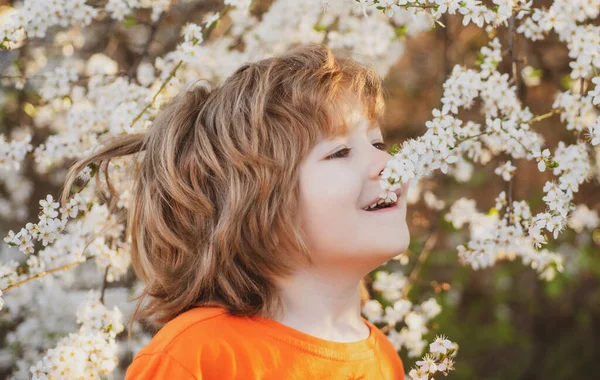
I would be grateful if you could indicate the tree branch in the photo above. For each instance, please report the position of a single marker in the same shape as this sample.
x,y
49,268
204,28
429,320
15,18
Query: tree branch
x,y
104,284
414,273
45,273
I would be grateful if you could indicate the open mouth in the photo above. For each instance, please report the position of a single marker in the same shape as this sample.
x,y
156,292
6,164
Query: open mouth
x,y
381,206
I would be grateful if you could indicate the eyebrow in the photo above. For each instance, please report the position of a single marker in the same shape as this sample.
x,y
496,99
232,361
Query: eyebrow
x,y
344,130
373,124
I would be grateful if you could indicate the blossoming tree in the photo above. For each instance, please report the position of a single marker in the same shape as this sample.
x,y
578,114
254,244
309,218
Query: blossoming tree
x,y
74,88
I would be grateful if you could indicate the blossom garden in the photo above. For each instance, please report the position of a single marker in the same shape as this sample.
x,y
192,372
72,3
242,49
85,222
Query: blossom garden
x,y
492,115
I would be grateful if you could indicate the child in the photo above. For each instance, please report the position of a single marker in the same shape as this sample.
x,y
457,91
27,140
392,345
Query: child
x,y
249,224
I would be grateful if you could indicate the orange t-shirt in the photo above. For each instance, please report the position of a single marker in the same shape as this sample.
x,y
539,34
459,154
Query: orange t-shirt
x,y
209,344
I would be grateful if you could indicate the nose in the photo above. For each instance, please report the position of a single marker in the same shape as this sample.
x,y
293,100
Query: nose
x,y
378,162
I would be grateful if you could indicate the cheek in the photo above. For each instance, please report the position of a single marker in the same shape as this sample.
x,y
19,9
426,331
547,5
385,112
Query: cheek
x,y
329,195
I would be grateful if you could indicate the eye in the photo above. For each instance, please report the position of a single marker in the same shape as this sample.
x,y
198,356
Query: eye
x,y
342,153
383,146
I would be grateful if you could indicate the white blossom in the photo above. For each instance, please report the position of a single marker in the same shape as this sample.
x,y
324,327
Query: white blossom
x,y
506,170
78,117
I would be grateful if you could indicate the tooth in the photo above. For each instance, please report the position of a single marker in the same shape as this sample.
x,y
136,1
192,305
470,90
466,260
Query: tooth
x,y
371,206
379,202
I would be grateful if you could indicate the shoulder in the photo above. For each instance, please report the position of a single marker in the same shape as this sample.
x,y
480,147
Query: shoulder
x,y
189,342
189,326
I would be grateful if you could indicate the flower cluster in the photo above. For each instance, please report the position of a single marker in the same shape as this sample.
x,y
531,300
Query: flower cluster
x,y
446,142
583,218
13,153
121,8
400,311
57,83
158,7
473,11
88,354
37,16
438,360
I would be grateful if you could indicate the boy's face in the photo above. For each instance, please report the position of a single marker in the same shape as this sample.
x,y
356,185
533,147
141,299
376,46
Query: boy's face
x,y
343,237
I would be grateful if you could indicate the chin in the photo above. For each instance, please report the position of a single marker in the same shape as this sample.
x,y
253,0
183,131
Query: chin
x,y
399,247
382,256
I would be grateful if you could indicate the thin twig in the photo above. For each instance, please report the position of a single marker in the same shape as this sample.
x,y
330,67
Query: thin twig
x,y
45,273
509,185
431,6
206,33
469,138
329,28
517,140
153,30
171,75
512,48
104,284
515,77
544,116
414,273
79,79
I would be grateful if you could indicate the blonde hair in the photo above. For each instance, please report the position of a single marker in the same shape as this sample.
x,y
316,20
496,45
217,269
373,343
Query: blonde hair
x,y
213,212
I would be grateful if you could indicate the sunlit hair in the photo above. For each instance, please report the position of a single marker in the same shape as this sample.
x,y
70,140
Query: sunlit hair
x,y
214,211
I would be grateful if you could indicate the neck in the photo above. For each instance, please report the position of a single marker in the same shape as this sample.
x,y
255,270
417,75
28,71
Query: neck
x,y
324,305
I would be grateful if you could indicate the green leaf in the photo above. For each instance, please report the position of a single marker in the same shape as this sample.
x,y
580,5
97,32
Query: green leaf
x,y
480,58
536,73
94,168
129,22
401,31
320,28
566,81
395,149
